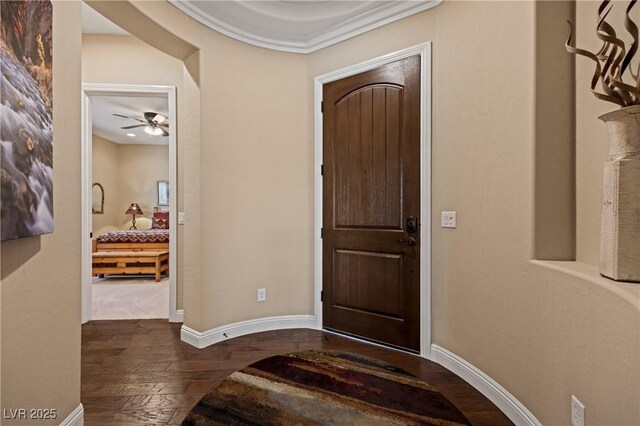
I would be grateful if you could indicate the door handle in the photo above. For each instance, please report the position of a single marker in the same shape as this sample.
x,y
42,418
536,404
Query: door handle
x,y
412,224
410,241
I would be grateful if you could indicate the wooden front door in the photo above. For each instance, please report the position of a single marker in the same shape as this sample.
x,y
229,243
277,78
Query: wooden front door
x,y
371,204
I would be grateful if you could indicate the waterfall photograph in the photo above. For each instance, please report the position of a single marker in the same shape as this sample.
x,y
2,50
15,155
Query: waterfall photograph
x,y
26,119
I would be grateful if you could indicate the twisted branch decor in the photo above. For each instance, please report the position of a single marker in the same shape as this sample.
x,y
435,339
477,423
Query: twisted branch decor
x,y
612,60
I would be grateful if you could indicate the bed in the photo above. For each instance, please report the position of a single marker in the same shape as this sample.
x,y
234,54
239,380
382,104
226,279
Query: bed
x,y
131,252
141,239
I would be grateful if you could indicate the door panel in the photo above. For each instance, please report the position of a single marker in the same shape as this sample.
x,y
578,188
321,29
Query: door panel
x,y
371,276
367,137
359,275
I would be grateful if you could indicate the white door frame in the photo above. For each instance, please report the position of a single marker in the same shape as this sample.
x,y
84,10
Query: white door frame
x,y
424,50
88,91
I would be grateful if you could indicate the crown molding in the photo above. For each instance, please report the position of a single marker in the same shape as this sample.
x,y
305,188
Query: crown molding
x,y
336,31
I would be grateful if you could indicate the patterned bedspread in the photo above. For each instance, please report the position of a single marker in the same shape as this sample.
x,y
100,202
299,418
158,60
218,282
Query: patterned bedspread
x,y
137,236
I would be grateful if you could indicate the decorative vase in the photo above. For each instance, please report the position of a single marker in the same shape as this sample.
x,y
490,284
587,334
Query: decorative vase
x,y
620,231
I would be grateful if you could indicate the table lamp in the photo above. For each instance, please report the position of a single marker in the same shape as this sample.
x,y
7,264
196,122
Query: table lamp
x,y
134,209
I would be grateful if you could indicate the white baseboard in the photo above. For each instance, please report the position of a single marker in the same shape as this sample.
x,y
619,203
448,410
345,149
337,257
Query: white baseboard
x,y
76,418
178,317
203,339
510,406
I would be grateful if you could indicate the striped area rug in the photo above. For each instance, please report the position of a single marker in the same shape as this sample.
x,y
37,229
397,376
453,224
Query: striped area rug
x,y
323,388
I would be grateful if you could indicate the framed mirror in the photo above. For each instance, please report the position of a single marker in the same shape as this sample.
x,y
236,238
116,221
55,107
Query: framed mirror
x,y
163,192
97,198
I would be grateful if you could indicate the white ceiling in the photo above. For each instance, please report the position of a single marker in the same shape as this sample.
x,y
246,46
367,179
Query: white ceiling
x,y
105,124
108,126
298,26
290,26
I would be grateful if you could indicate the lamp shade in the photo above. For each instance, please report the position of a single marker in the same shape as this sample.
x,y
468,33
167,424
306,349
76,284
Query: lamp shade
x,y
134,208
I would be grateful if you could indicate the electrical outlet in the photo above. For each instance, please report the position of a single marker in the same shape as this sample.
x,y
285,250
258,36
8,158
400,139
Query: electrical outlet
x,y
577,412
262,294
448,220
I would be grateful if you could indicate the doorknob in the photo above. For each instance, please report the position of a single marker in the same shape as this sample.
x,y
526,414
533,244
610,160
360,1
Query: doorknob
x,y
410,241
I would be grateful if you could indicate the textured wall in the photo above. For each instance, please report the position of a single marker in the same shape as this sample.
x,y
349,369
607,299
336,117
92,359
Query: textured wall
x,y
129,173
139,167
542,333
40,278
105,171
248,198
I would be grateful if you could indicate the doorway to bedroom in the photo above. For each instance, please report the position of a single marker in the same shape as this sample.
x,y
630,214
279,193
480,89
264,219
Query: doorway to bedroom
x,y
130,207
129,163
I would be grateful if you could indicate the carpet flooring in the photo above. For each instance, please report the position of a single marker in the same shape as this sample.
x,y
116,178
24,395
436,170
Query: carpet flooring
x,y
129,297
323,388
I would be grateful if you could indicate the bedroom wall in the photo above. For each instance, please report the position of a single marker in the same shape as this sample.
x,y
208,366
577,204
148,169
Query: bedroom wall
x,y
139,167
105,171
542,330
40,276
129,174
127,60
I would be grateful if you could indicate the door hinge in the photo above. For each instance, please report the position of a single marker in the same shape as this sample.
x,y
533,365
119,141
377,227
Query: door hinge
x,y
321,169
321,106
322,295
321,232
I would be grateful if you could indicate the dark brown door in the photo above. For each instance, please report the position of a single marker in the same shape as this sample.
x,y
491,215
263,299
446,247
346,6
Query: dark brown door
x,y
371,199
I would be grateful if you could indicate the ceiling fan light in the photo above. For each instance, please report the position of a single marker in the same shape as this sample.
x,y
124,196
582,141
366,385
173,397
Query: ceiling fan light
x,y
152,130
159,118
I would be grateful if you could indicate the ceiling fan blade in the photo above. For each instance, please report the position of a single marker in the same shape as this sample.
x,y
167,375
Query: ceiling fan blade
x,y
164,132
149,116
165,125
133,127
130,118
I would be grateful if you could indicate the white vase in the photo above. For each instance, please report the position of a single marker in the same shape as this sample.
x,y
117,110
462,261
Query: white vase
x,y
620,231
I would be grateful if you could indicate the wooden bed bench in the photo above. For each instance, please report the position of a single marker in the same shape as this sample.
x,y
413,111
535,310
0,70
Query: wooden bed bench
x,y
131,262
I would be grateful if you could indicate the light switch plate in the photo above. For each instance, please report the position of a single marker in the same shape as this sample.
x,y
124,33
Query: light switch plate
x,y
262,294
448,220
181,218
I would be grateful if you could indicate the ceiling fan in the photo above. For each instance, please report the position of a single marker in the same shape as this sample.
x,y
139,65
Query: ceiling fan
x,y
153,123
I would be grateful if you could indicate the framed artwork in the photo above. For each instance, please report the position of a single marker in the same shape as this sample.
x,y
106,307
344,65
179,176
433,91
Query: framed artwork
x,y
163,192
97,198
26,122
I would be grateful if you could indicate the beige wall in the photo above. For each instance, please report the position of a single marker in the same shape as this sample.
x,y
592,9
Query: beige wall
x,y
40,277
129,174
554,131
540,332
250,179
127,60
105,171
139,168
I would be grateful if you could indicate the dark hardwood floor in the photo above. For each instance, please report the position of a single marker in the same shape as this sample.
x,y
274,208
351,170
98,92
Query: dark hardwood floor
x,y
140,372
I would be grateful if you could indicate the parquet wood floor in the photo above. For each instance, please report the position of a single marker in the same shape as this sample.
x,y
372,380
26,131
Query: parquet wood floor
x,y
140,372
